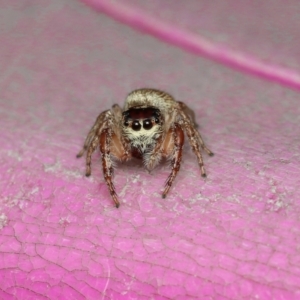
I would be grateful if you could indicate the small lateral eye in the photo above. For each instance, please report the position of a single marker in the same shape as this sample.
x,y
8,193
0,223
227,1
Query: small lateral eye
x,y
136,125
156,120
147,124
126,123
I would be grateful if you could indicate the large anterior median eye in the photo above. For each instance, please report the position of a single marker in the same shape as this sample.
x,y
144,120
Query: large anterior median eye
x,y
147,124
136,125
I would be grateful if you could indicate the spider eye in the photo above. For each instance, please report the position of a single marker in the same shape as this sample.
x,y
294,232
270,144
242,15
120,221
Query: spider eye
x,y
126,123
136,125
156,120
147,124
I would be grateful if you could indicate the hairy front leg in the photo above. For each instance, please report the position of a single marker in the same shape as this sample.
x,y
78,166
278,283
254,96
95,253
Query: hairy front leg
x,y
153,158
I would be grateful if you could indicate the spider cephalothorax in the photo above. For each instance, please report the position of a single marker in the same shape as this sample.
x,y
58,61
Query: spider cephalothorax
x,y
151,126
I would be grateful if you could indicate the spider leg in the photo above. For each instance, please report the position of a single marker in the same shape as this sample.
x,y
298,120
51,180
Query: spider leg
x,y
189,116
188,112
86,143
105,139
96,129
92,139
154,157
91,148
178,137
195,146
203,146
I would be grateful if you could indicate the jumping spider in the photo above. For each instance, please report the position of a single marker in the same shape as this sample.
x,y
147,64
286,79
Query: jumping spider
x,y
151,126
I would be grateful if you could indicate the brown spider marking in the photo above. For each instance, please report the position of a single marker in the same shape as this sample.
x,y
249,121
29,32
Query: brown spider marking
x,y
150,126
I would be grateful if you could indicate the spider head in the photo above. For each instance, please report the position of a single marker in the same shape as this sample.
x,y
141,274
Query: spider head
x,y
141,125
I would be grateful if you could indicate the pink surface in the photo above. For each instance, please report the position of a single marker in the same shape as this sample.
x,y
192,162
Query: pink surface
x,y
234,235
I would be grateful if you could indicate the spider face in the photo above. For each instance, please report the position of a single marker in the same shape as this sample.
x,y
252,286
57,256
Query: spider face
x,y
142,126
141,118
151,126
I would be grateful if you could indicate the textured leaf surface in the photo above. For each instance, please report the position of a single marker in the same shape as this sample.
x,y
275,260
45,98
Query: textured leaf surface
x,y
234,235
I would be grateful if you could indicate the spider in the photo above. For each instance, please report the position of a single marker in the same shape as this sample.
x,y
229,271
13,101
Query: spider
x,y
150,127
